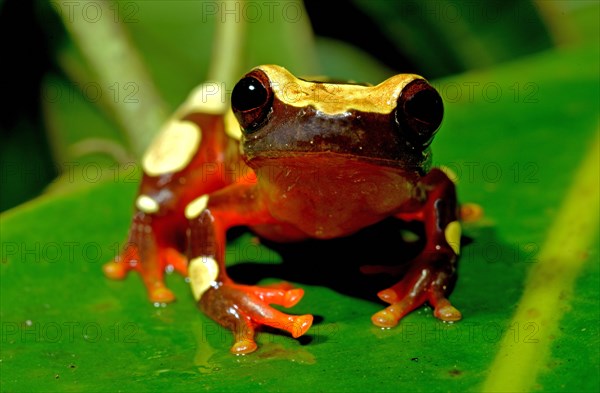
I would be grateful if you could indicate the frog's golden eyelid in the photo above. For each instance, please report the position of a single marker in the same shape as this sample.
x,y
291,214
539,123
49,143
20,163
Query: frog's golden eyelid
x,y
173,148
196,207
203,272
146,204
335,99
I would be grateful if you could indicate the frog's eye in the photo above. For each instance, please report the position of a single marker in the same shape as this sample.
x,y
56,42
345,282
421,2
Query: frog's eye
x,y
251,100
420,110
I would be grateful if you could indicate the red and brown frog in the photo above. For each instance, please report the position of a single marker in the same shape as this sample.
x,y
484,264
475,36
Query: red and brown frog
x,y
292,159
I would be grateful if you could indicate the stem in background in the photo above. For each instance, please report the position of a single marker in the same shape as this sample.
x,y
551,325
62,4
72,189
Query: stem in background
x,y
226,64
110,55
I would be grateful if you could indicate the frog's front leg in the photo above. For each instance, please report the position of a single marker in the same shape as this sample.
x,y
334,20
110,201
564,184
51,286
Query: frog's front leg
x,y
152,247
182,163
240,308
431,276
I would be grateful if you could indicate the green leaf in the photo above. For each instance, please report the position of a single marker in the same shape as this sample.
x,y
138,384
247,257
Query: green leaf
x,y
515,135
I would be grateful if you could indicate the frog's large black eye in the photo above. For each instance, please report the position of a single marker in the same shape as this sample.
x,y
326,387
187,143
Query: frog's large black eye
x,y
420,110
251,100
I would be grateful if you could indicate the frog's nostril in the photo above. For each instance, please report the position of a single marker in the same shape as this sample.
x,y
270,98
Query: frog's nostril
x,y
420,110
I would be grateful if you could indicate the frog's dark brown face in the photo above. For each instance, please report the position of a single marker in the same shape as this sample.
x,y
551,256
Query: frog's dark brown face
x,y
390,124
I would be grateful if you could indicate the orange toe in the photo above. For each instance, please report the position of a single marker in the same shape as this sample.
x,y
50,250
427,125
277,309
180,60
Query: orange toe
x,y
114,270
161,294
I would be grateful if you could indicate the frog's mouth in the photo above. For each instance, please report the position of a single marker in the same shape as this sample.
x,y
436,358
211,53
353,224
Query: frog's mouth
x,y
309,160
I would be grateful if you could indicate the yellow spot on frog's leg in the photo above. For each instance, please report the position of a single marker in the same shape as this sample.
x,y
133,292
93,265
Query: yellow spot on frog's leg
x,y
146,204
452,234
173,148
195,207
203,272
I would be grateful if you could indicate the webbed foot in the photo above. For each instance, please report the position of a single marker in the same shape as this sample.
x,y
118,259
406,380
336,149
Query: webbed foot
x,y
426,281
243,308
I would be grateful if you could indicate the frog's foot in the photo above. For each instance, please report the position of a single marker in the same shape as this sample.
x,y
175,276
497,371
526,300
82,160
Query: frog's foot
x,y
425,282
150,260
243,308
152,274
118,269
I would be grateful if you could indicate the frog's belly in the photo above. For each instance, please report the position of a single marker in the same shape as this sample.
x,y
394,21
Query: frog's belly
x,y
333,201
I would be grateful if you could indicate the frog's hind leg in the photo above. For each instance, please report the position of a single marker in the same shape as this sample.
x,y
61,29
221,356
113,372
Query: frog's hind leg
x,y
238,308
255,301
225,313
232,305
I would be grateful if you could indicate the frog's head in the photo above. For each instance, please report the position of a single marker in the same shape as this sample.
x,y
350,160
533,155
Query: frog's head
x,y
391,124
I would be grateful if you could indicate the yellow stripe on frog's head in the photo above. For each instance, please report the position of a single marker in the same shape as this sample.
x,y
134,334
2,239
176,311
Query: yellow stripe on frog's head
x,y
336,98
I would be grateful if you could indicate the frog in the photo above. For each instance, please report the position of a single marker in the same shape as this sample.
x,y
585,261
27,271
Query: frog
x,y
292,159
